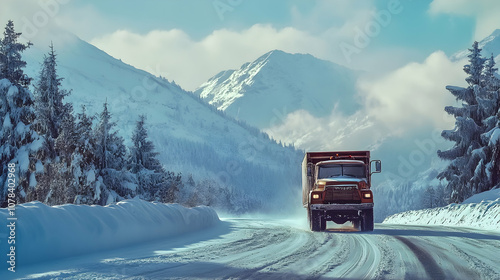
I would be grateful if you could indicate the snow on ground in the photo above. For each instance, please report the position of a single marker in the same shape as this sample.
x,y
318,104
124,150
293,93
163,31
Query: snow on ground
x,y
45,233
267,248
479,211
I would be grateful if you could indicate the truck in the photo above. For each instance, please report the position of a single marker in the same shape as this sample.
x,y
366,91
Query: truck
x,y
336,187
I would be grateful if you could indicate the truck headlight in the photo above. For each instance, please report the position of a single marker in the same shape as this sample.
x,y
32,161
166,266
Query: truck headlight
x,y
315,196
367,195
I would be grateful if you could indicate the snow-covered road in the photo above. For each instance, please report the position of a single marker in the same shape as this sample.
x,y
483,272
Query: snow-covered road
x,y
285,249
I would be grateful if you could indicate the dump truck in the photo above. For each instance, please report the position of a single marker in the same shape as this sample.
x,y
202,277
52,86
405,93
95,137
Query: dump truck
x,y
336,187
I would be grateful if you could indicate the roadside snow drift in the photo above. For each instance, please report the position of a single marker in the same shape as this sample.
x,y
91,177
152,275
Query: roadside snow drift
x,y
480,211
44,233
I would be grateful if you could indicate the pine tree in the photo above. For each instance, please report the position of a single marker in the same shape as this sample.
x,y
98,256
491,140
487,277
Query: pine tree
x,y
491,102
49,100
491,82
56,125
492,150
110,151
154,182
11,63
494,166
142,153
86,141
468,129
19,142
486,175
83,167
429,198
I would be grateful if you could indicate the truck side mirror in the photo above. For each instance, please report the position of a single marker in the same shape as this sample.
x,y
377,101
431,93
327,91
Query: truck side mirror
x,y
309,171
378,166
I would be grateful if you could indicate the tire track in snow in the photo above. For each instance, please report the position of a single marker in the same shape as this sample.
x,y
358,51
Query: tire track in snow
x,y
272,249
431,267
299,247
327,257
364,258
476,265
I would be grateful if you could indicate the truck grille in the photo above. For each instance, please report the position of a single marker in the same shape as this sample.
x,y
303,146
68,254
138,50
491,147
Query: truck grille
x,y
342,194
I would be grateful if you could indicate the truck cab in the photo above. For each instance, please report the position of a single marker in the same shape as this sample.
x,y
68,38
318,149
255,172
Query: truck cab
x,y
336,187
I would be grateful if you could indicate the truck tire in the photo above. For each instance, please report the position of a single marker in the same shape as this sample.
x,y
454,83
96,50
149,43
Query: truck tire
x,y
355,224
315,220
367,220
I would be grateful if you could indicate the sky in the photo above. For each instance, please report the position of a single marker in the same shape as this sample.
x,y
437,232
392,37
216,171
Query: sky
x,y
402,47
189,41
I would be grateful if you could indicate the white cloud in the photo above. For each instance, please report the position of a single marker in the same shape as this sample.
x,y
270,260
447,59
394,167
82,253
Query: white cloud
x,y
335,17
175,55
335,132
414,95
484,11
32,18
190,62
404,103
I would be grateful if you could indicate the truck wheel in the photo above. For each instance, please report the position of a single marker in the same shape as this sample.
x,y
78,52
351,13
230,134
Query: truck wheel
x,y
355,224
315,220
367,221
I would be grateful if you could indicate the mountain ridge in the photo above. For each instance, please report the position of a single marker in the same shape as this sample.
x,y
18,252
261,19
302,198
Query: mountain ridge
x,y
490,45
191,136
279,83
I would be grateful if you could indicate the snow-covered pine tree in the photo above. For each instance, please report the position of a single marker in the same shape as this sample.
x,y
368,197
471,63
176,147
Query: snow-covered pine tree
x,y
50,107
154,182
494,145
491,81
11,63
83,161
19,142
492,148
486,176
55,123
111,151
429,197
142,153
491,103
491,168
110,154
468,129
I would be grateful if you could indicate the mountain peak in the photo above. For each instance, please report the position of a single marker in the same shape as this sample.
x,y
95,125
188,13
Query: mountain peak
x,y
279,83
280,55
274,55
490,45
495,33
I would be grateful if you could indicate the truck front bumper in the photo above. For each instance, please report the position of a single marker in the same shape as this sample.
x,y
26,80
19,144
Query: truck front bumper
x,y
329,207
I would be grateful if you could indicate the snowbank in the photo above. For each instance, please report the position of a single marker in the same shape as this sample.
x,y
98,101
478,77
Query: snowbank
x,y
479,211
44,232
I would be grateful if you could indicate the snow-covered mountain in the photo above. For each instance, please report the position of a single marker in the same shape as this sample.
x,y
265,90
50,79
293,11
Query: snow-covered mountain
x,y
264,91
489,45
190,136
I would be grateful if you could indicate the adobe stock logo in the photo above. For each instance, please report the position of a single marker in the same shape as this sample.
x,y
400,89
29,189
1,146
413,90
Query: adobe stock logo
x,y
363,36
224,6
41,18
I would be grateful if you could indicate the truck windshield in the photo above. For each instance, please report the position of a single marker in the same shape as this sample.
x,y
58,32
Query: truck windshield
x,y
339,170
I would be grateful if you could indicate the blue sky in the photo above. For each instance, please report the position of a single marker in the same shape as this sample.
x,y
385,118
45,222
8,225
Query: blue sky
x,y
203,37
414,27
